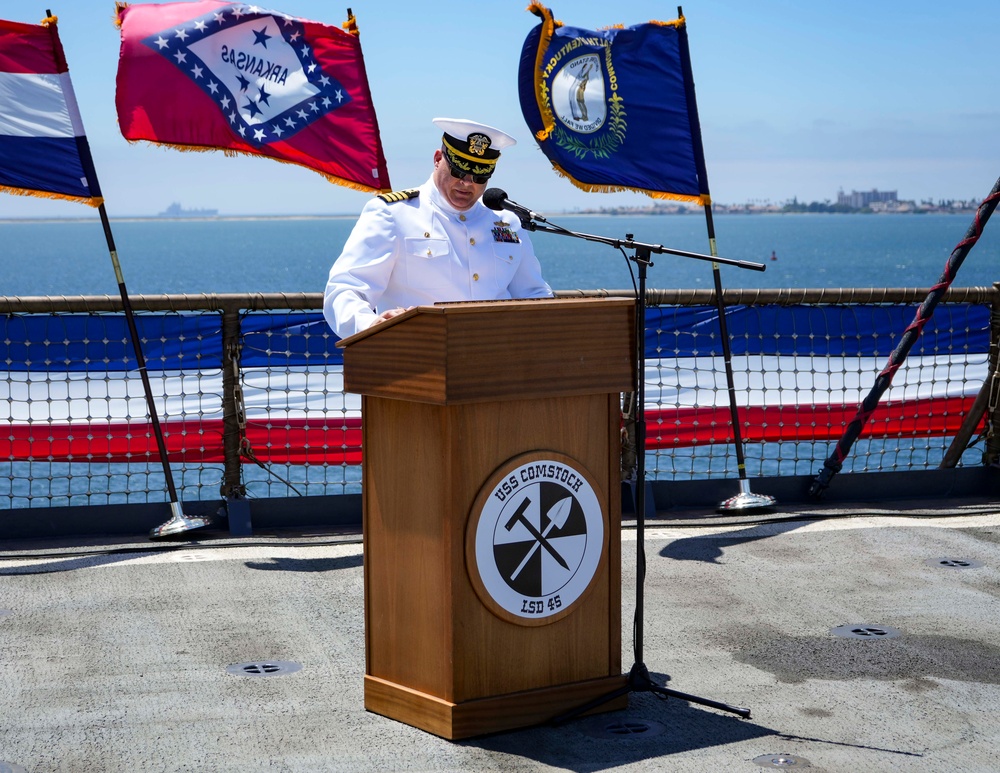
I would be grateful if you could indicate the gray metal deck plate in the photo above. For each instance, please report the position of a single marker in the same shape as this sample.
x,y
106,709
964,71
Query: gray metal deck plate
x,y
116,661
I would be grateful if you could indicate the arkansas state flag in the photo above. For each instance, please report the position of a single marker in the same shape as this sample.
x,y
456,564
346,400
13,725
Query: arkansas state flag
x,y
43,149
211,75
615,110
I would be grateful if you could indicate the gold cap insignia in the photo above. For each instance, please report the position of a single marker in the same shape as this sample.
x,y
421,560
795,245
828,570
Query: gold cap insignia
x,y
478,144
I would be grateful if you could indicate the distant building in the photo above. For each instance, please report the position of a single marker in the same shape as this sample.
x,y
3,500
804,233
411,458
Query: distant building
x,y
863,199
176,210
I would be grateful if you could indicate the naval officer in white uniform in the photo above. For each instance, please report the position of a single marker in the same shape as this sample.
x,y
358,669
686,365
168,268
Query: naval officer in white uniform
x,y
438,242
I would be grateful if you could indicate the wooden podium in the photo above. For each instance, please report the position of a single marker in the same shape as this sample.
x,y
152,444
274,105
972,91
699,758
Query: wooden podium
x,y
492,512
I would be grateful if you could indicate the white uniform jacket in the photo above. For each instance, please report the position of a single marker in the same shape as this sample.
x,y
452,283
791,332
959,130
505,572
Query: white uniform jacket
x,y
421,250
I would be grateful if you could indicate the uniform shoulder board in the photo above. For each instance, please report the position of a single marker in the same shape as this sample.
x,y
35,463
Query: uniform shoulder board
x,y
394,196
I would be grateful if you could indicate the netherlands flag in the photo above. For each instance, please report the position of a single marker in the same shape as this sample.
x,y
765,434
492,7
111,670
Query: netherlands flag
x,y
43,149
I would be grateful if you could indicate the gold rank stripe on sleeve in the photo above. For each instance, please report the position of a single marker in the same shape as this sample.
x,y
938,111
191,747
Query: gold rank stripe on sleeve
x,y
394,196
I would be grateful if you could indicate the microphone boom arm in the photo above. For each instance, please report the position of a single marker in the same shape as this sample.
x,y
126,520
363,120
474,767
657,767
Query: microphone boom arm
x,y
640,247
496,199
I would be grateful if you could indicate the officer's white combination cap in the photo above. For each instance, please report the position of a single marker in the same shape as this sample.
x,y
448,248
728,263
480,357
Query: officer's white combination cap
x,y
472,147
461,129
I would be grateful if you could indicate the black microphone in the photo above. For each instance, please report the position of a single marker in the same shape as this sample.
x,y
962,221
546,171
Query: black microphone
x,y
496,199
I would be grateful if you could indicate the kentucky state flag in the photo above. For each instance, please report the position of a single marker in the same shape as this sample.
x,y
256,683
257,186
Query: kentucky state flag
x,y
212,75
615,109
43,148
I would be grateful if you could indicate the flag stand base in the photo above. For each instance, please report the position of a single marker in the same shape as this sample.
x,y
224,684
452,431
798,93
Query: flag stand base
x,y
178,523
746,500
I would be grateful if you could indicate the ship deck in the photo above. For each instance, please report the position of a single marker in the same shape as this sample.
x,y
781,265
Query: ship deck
x,y
118,654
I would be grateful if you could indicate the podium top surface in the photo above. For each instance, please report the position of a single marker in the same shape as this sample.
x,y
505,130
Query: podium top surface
x,y
472,351
511,306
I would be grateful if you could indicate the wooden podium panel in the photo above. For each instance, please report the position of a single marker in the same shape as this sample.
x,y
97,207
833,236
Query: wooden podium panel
x,y
439,655
450,353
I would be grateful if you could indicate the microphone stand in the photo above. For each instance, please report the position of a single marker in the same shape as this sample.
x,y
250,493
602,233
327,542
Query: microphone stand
x,y
639,679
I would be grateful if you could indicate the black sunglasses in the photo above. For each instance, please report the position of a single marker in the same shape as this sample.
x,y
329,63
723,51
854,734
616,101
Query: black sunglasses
x,y
478,179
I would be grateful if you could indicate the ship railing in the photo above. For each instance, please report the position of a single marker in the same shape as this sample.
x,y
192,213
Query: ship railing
x,y
251,399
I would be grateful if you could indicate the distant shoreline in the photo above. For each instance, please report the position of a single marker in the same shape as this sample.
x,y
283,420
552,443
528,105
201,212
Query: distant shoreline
x,y
158,219
354,216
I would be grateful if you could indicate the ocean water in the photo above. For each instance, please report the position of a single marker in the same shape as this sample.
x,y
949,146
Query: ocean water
x,y
294,254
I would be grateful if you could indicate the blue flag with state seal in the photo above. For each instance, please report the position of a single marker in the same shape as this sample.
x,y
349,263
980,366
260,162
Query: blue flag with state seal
x,y
615,109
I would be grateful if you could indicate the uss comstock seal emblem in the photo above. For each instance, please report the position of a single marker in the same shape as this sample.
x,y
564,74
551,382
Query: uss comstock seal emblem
x,y
536,536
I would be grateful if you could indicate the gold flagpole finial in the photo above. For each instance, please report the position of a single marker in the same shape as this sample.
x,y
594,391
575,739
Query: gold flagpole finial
x,y
351,25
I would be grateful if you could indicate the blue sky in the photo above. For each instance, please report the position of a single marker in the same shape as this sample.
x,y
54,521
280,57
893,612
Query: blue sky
x,y
796,99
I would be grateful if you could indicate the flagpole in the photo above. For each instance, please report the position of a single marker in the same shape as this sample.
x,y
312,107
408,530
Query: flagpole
x,y
178,521
745,500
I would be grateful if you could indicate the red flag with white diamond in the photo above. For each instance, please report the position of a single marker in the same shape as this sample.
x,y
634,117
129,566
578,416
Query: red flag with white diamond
x,y
212,75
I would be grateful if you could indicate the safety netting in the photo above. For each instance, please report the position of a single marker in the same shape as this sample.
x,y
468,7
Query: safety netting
x,y
75,428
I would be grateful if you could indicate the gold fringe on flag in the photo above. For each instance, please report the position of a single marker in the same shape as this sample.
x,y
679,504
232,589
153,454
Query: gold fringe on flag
x,y
90,201
679,22
549,26
232,152
702,199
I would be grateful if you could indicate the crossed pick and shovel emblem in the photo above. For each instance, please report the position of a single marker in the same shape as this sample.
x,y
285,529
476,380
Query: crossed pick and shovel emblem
x,y
556,515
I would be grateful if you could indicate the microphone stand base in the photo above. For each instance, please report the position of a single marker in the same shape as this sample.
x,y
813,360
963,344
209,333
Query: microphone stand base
x,y
640,681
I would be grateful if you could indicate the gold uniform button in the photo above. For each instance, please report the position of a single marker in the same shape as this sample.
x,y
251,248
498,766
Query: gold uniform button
x,y
427,235
475,277
462,218
472,241
429,254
